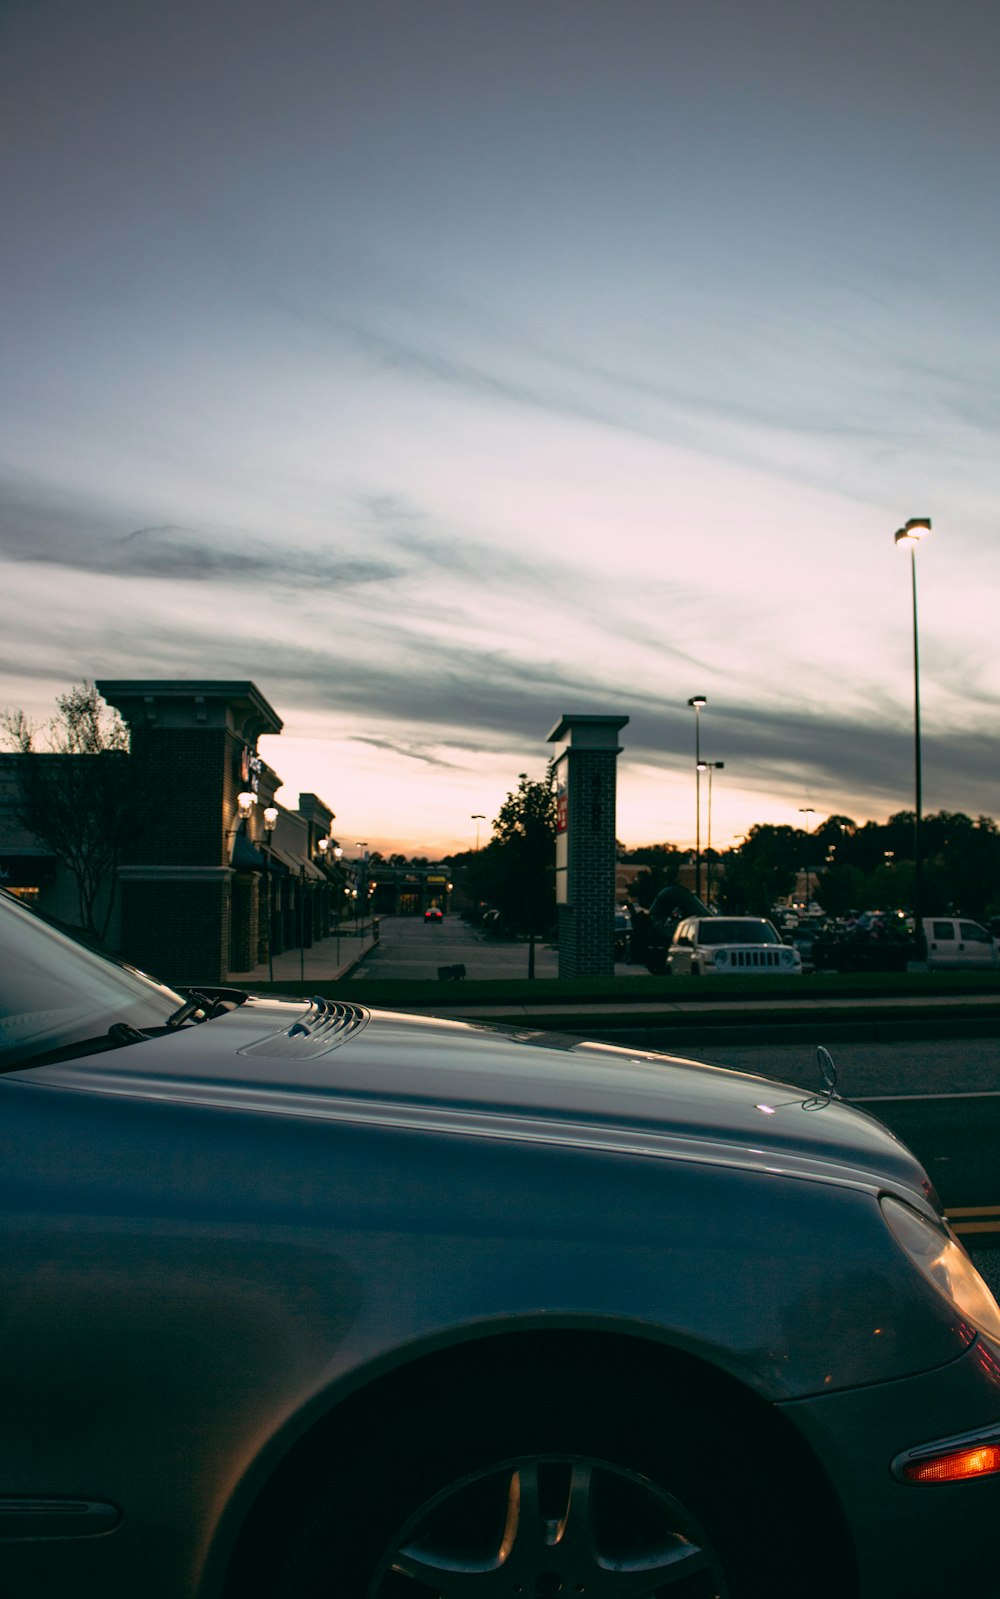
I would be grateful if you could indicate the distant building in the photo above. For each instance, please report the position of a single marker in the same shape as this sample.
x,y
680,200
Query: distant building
x,y
207,889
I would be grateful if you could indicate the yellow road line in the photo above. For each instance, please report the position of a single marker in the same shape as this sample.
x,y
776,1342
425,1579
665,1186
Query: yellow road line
x,y
972,1210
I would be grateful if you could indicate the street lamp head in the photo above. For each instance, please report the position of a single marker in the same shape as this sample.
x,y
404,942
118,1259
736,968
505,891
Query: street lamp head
x,y
697,700
914,530
702,766
270,819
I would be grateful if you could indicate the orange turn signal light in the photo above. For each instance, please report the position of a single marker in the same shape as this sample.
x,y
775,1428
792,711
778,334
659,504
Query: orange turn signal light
x,y
957,1465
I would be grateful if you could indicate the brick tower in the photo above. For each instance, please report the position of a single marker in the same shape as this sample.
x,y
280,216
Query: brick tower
x,y
189,888
585,770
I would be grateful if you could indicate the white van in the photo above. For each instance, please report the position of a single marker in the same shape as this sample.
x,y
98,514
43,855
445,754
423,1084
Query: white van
x,y
954,942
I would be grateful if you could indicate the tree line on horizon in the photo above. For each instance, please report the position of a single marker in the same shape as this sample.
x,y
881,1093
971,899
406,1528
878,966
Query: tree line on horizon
x,y
852,867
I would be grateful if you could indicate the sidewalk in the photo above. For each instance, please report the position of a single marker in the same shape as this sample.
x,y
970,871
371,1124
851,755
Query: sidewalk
x,y
323,962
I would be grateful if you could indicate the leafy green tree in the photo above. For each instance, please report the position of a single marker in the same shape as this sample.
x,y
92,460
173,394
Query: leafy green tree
x,y
965,864
81,794
515,872
842,889
762,870
661,865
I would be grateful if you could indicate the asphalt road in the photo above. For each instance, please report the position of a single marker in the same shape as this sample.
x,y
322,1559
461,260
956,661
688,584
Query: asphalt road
x,y
938,1066
412,948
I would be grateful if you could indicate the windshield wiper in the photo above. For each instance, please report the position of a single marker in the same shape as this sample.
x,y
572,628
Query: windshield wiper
x,y
210,1002
118,1035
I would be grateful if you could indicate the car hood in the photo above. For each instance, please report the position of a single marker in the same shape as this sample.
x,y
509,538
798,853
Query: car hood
x,y
345,1063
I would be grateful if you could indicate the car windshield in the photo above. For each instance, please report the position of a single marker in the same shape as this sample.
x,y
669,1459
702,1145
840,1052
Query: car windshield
x,y
54,992
721,931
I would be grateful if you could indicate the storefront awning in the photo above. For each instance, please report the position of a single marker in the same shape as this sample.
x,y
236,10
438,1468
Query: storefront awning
x,y
246,857
296,866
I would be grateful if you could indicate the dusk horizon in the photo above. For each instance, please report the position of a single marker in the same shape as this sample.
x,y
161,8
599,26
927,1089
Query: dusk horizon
x,y
444,370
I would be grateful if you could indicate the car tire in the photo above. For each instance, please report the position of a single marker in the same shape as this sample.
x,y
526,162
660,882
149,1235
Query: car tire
x,y
563,1494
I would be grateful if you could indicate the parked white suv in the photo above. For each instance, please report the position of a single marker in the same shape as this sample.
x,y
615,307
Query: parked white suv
x,y
707,945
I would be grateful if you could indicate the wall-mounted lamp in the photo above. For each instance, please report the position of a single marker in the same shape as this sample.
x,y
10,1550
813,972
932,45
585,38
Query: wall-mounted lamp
x,y
245,803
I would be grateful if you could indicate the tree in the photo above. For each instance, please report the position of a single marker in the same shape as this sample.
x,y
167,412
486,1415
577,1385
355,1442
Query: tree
x,y
661,864
842,889
516,870
762,870
80,794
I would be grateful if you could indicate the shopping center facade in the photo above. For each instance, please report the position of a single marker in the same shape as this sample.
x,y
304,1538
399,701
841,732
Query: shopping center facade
x,y
218,877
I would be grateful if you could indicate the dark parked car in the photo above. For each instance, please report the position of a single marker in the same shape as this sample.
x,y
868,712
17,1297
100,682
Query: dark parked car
x,y
875,943
300,1299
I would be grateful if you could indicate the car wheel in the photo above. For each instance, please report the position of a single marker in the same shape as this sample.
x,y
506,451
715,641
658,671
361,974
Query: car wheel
x,y
458,1502
550,1525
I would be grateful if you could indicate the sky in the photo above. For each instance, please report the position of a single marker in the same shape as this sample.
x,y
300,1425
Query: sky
x,y
445,367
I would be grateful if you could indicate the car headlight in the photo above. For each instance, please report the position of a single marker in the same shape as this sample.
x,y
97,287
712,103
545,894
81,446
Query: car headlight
x,y
721,957
943,1261
788,957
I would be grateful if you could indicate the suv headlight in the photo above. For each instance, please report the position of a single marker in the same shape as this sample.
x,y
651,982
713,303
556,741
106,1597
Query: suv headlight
x,y
789,957
940,1257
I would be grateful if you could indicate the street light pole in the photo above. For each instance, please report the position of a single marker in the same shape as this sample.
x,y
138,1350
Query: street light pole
x,y
710,767
911,533
270,823
338,855
696,702
807,810
362,881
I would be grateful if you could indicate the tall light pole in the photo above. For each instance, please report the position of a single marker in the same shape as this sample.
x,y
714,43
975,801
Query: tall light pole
x,y
807,810
361,879
911,533
270,823
477,817
696,702
709,767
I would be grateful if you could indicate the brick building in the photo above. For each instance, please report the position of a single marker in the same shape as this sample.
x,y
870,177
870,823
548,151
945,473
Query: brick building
x,y
206,889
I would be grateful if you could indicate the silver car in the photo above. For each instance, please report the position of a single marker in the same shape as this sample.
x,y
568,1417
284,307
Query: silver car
x,y
300,1299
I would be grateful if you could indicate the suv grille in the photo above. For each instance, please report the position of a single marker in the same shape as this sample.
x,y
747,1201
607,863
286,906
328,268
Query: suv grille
x,y
755,957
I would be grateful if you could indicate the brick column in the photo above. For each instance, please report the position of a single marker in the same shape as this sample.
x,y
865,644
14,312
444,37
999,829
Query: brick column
x,y
196,744
585,769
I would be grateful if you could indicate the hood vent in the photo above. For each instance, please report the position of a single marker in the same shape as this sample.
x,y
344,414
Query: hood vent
x,y
325,1027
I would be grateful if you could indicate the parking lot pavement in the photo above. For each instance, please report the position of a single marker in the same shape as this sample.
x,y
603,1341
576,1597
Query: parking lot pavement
x,y
409,947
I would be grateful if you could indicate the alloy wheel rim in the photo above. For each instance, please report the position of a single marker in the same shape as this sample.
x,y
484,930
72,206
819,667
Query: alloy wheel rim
x,y
551,1527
